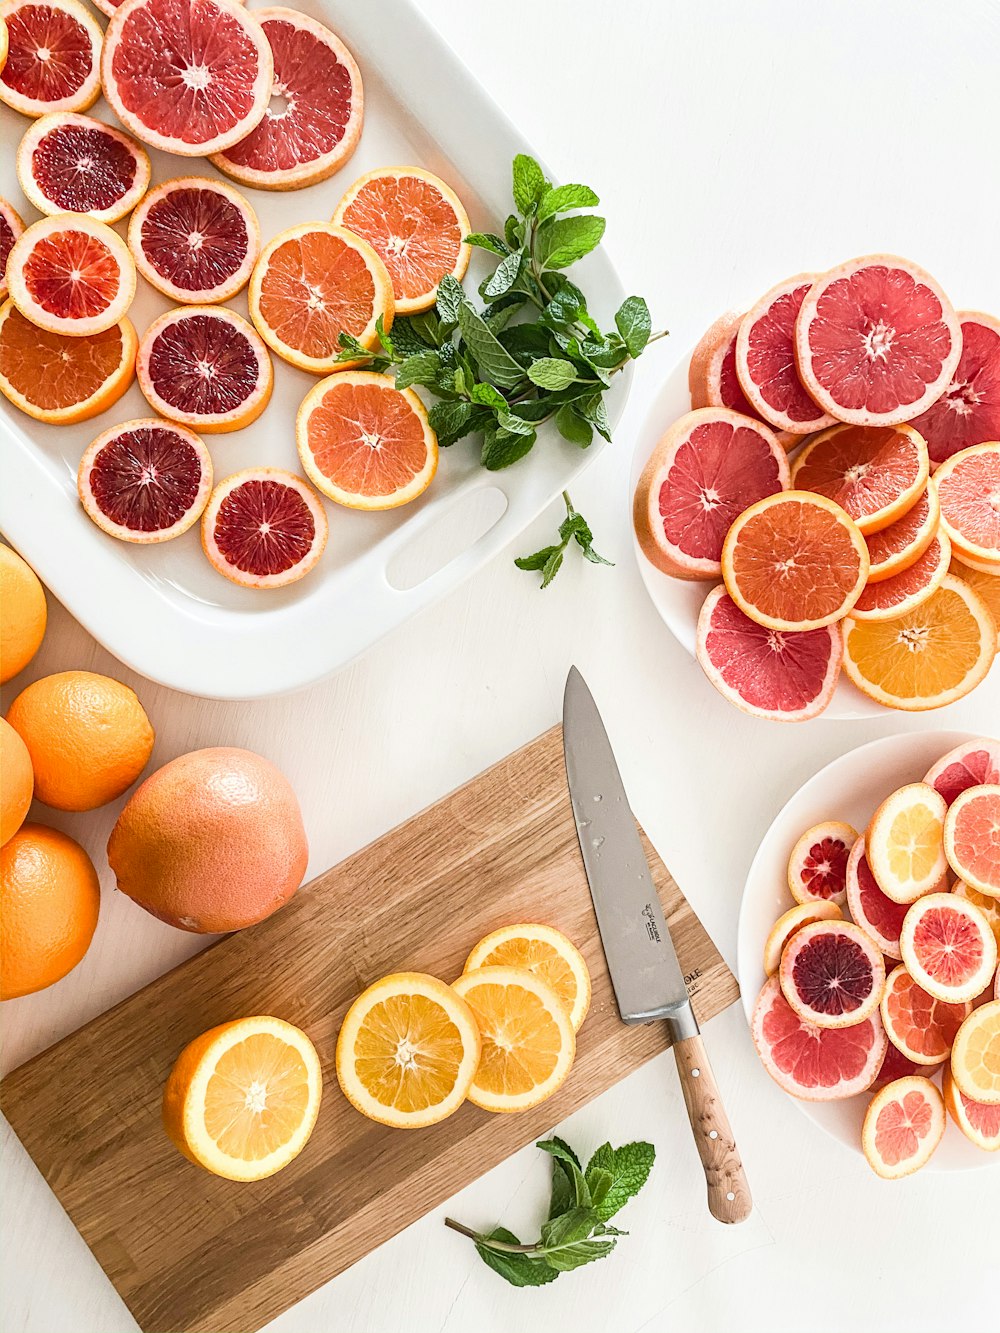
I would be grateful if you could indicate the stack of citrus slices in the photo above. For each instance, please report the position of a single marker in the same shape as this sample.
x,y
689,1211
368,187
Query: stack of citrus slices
x,y
276,104
840,474
909,987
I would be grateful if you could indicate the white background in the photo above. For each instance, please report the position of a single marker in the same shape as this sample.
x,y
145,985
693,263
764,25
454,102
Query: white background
x,y
732,143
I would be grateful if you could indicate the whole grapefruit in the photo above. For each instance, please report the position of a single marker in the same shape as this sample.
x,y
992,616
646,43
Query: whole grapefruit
x,y
211,842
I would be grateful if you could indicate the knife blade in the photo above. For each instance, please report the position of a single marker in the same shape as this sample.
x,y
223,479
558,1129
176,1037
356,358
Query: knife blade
x,y
645,971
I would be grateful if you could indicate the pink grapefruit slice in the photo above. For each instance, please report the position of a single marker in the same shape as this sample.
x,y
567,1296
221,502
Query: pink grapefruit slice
x,y
895,548
876,913
972,837
11,227
264,528
832,974
802,914
903,1126
69,274
979,1122
969,491
920,1026
896,1065
813,1063
709,466
189,76
68,163
775,674
967,765
712,378
948,947
904,592
875,473
817,866
876,341
53,56
968,412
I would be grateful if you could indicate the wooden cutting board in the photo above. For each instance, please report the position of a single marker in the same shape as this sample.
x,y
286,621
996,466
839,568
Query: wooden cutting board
x,y
191,1252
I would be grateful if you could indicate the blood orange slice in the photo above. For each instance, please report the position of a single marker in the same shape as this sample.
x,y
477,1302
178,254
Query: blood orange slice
x,y
205,367
813,1063
967,765
67,163
896,1065
313,119
196,240
365,443
145,480
188,76
263,528
968,412
903,542
969,490
311,284
802,914
877,914
817,866
903,1126
904,592
875,473
876,341
765,360
979,1122
831,974
984,582
71,275
11,227
948,947
972,837
416,224
919,1025
708,467
775,674
904,844
53,57
794,561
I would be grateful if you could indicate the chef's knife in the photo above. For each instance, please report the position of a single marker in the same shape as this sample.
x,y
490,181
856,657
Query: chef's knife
x,y
646,975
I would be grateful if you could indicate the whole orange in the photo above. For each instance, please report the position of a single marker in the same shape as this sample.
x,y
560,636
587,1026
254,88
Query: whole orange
x,y
212,841
16,781
22,613
49,903
88,736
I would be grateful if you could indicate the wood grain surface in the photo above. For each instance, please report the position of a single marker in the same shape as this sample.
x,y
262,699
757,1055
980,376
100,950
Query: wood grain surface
x,y
191,1253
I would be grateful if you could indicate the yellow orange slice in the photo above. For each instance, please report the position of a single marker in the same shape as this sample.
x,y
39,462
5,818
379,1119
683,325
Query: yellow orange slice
x,y
904,845
975,1056
875,473
802,914
544,951
70,274
984,582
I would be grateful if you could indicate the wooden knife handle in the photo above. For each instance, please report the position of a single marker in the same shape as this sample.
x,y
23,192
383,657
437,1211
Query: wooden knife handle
x,y
728,1191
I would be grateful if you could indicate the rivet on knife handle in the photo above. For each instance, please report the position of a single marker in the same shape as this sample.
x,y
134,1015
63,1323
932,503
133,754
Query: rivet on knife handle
x,y
728,1191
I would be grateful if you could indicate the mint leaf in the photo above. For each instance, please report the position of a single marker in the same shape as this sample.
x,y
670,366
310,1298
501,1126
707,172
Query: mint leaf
x,y
488,240
593,410
453,421
562,241
575,1256
572,1189
572,427
501,448
629,1167
559,198
422,368
405,341
519,1269
529,183
503,277
495,362
450,297
560,1181
599,1182
634,324
573,1225
552,372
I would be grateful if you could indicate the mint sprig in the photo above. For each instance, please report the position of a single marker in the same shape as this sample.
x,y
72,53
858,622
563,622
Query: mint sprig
x,y
548,560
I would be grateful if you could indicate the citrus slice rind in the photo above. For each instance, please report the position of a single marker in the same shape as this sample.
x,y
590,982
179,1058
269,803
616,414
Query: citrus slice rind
x,y
984,582
545,951
817,864
264,528
918,1024
11,227
53,59
878,915
972,837
895,548
875,473
968,765
891,598
903,1126
69,274
831,974
975,1055
802,914
987,904
948,947
904,843
979,1122
69,163
969,492
968,412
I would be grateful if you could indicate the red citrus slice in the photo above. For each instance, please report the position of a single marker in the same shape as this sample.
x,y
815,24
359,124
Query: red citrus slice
x,y
11,227
794,561
205,367
765,360
365,443
896,1065
712,378
53,57
817,866
312,123
984,582
968,486
71,275
196,240
968,765
876,913
145,480
919,1025
832,974
802,914
903,592
775,674
968,412
972,837
62,380
708,467
875,473
903,542
903,1125
188,76
263,528
813,1063
979,1122
876,341
948,947
67,163
904,843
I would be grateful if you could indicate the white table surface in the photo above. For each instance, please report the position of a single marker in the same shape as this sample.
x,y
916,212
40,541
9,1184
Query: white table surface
x,y
731,143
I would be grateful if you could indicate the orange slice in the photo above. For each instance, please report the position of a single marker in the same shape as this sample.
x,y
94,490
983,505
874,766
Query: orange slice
x,y
365,443
875,473
948,947
972,837
407,1051
415,223
11,226
984,582
70,274
893,597
544,951
903,1125
969,490
896,547
987,904
312,283
264,528
975,1056
243,1097
904,844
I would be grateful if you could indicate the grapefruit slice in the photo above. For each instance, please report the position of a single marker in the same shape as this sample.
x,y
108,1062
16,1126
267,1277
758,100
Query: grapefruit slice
x,y
924,658
969,491
196,240
895,596
876,341
765,360
312,122
312,283
903,542
62,380
979,1122
875,912
972,837
71,275
775,674
813,1063
794,561
875,473
904,844
205,367
67,163
975,1056
802,914
903,1126
53,56
712,378
896,1065
365,443
968,412
919,1025
817,866
948,947
709,466
987,904
11,226
967,765
832,974
985,583
145,480
189,76
263,528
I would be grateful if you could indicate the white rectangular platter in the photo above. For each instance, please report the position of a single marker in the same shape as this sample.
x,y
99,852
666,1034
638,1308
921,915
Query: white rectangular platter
x,y
164,610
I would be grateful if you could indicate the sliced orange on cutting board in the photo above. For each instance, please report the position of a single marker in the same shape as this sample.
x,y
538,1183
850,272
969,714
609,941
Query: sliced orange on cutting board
x,y
547,953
